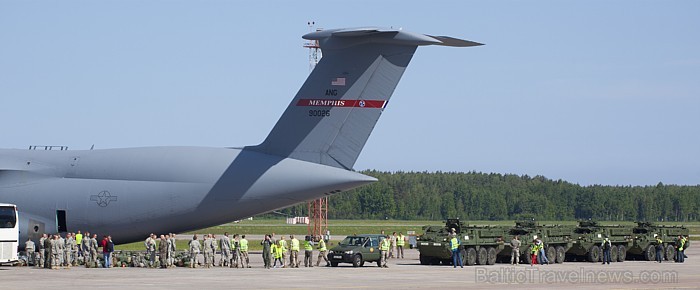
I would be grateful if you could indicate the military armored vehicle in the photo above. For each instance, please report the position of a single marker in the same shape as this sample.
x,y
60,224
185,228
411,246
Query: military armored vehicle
x,y
588,237
357,250
644,240
479,244
556,238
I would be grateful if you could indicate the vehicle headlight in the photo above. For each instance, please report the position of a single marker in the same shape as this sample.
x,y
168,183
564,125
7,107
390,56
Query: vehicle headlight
x,y
349,252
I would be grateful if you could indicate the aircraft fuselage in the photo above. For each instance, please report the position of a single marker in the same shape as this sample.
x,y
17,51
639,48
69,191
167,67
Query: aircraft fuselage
x,y
129,193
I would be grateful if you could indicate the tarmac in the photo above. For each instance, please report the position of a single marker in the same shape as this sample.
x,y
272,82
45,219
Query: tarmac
x,y
402,274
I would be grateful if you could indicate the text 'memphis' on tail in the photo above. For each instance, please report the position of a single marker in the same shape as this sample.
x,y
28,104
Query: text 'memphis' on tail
x,y
334,112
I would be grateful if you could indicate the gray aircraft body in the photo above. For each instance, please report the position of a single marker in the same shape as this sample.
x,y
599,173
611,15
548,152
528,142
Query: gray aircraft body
x,y
310,152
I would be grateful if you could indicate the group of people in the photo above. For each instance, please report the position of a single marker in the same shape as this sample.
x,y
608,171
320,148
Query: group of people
x,y
538,254
396,244
234,251
679,244
55,251
165,247
390,244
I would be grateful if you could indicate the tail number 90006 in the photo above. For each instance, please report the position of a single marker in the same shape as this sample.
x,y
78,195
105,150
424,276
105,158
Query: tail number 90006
x,y
319,113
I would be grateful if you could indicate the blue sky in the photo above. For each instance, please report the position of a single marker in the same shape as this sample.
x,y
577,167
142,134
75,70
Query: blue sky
x,y
592,92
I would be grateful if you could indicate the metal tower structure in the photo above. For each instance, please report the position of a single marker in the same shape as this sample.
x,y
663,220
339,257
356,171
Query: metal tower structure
x,y
318,209
314,48
318,218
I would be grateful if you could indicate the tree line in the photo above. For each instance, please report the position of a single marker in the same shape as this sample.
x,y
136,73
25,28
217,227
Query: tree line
x,y
493,196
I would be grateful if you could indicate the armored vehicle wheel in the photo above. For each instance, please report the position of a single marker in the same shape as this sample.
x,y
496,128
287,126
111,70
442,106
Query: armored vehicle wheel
x,y
613,254
471,256
551,254
621,253
650,253
434,261
561,255
423,260
446,262
593,254
670,253
334,264
482,256
463,255
491,256
357,261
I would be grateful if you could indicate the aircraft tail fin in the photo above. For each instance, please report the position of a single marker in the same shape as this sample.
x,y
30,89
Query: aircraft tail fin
x,y
331,117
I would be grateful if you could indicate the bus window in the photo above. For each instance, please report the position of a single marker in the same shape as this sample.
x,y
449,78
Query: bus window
x,y
8,217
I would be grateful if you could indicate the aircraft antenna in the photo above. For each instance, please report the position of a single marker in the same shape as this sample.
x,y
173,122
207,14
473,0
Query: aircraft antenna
x,y
318,209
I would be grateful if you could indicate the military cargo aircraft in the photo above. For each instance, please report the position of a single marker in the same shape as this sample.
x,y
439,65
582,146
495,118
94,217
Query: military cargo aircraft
x,y
310,152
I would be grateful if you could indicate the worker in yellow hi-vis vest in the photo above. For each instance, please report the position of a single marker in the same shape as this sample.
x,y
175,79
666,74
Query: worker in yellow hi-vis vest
x,y
293,252
322,252
400,242
308,251
283,246
384,247
243,244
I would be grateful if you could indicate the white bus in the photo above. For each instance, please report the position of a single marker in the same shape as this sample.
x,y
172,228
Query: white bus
x,y
9,233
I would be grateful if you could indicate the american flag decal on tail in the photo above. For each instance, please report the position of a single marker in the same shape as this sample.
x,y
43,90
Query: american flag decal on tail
x,y
338,82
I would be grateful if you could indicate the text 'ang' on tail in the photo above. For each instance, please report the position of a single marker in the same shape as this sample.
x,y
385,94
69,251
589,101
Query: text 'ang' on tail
x,y
334,112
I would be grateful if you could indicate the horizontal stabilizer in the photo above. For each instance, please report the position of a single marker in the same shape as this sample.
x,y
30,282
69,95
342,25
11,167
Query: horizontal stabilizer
x,y
456,42
392,36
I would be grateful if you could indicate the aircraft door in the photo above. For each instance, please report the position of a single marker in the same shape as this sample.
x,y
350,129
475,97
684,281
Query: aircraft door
x,y
61,224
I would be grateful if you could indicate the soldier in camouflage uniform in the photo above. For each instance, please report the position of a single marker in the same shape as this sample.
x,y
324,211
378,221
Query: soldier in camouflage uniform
x,y
225,245
235,251
168,251
74,250
55,252
61,250
214,247
87,259
194,251
208,253
42,252
171,250
47,252
151,250
93,249
163,251
68,251
29,251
